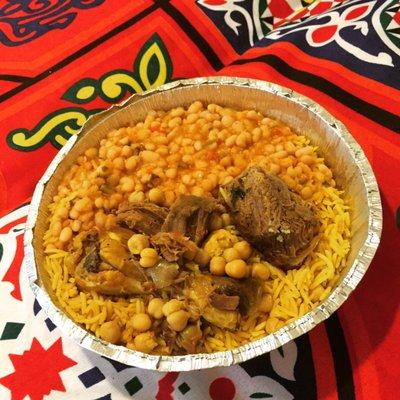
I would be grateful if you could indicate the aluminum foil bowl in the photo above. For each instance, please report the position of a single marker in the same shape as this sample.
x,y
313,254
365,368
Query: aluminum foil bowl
x,y
352,172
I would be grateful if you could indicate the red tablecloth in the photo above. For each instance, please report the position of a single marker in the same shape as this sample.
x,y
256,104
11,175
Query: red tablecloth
x,y
63,60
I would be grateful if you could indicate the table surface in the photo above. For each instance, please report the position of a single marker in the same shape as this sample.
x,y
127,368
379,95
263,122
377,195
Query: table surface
x,y
61,61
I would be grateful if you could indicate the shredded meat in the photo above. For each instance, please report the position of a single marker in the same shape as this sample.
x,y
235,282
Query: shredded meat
x,y
190,215
224,302
173,245
91,248
146,218
276,221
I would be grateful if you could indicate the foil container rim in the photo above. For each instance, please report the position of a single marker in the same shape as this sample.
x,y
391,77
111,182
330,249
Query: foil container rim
x,y
257,347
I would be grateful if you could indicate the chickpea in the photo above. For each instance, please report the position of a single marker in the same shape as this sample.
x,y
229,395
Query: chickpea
x,y
169,197
230,141
280,154
83,204
325,170
126,151
149,156
155,308
191,119
286,162
187,180
226,219
178,320
150,146
91,152
156,196
269,149
244,249
171,173
274,168
144,342
99,202
149,252
241,140
236,269
233,171
197,191
319,176
260,271
289,181
207,185
110,221
307,159
202,258
303,151
113,179
66,234
136,197
227,180
226,161
256,135
306,193
141,322
292,172
231,254
100,219
188,159
76,225
148,262
113,152
119,163
131,163
56,228
110,332
227,120
127,184
217,265
137,243
290,147
61,212
171,307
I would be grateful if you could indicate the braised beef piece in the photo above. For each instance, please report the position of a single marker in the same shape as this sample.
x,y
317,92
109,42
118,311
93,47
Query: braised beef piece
x,y
190,216
248,291
276,221
146,218
173,245
224,302
91,248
